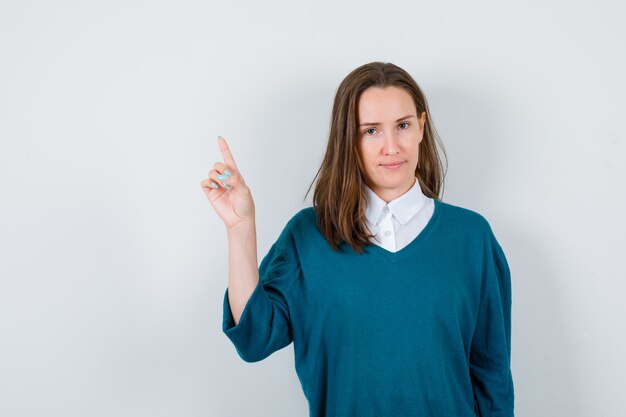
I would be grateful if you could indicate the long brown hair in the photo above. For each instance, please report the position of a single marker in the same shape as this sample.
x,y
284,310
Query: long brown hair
x,y
339,197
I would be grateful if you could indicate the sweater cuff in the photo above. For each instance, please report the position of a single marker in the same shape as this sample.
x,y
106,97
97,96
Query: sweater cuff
x,y
237,332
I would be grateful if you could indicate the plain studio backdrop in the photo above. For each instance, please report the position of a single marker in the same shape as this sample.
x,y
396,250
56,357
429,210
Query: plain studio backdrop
x,y
113,264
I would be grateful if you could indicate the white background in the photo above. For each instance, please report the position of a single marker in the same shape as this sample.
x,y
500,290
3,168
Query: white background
x,y
113,264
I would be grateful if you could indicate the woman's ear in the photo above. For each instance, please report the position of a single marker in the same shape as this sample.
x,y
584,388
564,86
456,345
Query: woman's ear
x,y
422,122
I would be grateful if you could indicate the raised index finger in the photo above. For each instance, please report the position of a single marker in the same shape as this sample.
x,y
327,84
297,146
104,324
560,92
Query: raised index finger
x,y
228,157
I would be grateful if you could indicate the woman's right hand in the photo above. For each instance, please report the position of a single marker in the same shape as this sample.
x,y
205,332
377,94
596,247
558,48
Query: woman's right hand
x,y
233,203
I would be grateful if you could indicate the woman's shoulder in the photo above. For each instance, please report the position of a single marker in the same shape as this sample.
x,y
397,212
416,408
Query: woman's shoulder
x,y
461,217
305,218
299,222
300,230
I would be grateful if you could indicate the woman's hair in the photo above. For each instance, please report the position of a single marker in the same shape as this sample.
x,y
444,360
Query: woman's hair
x,y
339,198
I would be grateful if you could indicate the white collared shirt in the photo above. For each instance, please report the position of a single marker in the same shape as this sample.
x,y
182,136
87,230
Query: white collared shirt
x,y
397,223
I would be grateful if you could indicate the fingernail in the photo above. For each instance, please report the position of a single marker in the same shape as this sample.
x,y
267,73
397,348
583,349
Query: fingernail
x,y
227,172
223,177
226,185
214,185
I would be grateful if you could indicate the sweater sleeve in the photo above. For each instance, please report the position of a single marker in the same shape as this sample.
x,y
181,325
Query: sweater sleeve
x,y
490,353
264,326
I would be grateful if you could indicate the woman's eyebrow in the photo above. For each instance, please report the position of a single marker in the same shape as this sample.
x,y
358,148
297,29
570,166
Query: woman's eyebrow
x,y
377,123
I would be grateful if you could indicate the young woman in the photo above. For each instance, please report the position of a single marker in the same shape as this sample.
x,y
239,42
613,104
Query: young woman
x,y
398,304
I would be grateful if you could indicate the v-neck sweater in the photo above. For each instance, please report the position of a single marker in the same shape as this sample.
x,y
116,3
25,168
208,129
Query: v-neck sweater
x,y
424,331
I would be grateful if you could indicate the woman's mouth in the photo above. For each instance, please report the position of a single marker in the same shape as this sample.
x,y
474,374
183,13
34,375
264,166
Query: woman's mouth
x,y
393,166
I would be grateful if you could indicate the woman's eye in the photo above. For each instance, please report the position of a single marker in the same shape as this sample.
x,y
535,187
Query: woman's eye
x,y
372,129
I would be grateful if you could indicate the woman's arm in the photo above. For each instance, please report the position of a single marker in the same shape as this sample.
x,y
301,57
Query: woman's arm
x,y
490,355
263,325
243,273
256,321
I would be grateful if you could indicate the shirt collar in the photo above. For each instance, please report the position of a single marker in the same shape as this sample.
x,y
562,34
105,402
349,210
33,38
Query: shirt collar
x,y
403,207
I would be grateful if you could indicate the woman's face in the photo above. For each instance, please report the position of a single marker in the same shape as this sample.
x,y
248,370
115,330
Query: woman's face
x,y
390,133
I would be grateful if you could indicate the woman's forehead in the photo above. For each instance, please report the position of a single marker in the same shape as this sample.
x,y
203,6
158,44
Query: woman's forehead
x,y
386,104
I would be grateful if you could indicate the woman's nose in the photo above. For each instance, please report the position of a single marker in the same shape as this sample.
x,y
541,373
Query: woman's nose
x,y
391,144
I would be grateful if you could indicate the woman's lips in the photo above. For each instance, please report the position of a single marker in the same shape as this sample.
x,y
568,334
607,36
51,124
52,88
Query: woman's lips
x,y
393,166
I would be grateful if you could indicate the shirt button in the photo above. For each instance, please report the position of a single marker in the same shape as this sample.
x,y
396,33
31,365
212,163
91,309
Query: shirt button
x,y
387,233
